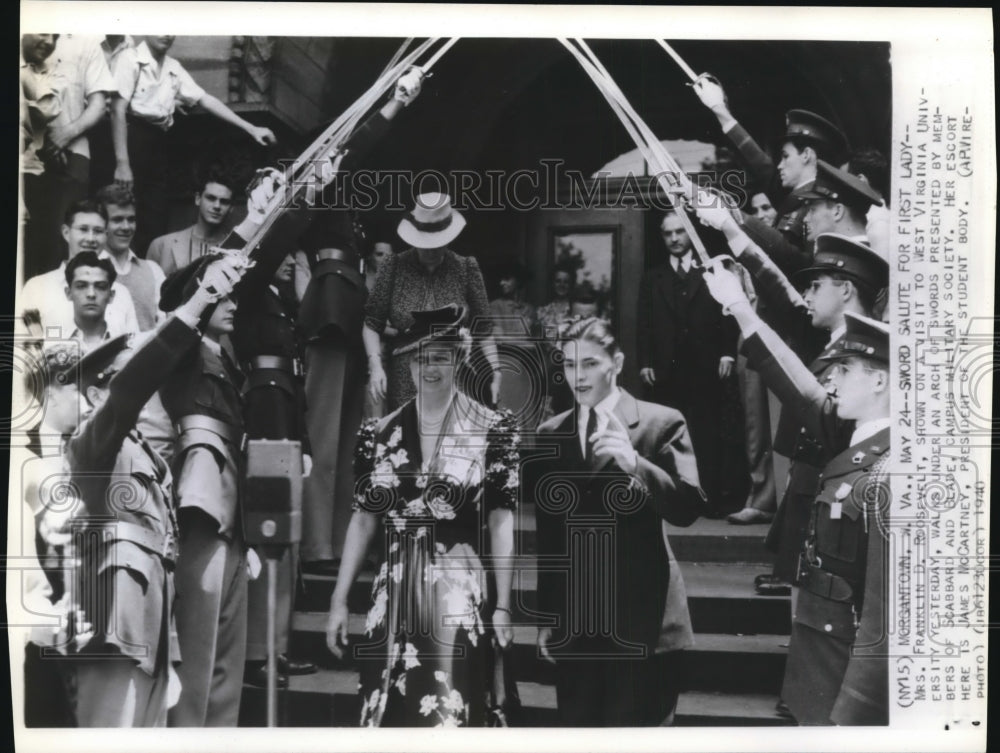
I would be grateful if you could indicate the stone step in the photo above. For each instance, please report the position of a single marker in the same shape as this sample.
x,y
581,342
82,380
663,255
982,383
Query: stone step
x,y
720,596
707,666
705,540
694,708
329,698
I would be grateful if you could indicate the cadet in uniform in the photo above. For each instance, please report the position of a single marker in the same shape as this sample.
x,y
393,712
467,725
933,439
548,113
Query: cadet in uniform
x,y
204,400
838,202
266,341
808,137
837,669
845,276
331,316
128,549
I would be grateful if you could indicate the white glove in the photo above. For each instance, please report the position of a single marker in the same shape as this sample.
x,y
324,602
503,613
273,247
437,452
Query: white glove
x,y
266,195
323,173
709,91
253,564
408,87
221,275
724,286
712,209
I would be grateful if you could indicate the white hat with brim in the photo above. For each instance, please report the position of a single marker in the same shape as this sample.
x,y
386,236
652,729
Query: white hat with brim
x,y
432,223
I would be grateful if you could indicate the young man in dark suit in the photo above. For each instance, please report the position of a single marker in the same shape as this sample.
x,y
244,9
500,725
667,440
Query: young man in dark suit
x,y
614,471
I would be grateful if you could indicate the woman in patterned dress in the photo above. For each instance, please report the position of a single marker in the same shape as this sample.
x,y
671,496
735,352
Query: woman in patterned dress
x,y
431,473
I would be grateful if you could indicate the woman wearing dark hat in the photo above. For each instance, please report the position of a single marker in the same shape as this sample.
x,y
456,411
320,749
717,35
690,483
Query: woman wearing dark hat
x,y
431,472
426,276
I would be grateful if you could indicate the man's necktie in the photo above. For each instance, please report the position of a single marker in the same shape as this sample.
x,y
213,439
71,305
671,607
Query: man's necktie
x,y
591,428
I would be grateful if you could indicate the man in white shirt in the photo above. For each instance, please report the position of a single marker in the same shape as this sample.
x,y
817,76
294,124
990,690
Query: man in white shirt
x,y
88,289
56,163
153,86
108,142
84,229
142,277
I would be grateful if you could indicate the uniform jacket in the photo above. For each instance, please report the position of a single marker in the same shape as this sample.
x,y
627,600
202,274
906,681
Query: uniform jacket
x,y
126,578
786,241
335,298
649,601
336,294
846,516
207,464
265,325
682,337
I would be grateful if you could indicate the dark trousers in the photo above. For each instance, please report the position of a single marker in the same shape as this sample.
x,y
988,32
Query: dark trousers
x,y
617,692
47,197
763,495
211,580
335,381
47,701
102,155
147,151
271,413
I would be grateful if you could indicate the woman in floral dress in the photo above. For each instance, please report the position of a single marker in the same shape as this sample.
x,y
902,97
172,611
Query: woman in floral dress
x,y
431,473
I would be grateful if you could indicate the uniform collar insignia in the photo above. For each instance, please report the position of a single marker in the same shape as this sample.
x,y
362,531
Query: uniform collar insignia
x,y
858,458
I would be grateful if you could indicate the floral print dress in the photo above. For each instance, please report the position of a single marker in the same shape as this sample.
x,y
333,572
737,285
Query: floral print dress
x,y
424,662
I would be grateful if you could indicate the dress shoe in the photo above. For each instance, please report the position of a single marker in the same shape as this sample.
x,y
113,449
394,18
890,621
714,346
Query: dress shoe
x,y
256,674
750,516
782,710
288,666
321,567
771,585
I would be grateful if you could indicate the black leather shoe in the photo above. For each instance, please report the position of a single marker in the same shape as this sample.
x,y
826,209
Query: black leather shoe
x,y
288,666
256,674
771,586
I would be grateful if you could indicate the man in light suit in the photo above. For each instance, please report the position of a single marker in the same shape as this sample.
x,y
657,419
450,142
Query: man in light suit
x,y
177,250
631,469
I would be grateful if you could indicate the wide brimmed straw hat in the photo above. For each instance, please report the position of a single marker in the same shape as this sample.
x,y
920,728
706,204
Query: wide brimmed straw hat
x,y
432,223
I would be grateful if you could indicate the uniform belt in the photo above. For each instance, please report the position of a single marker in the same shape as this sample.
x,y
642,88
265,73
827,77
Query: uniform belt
x,y
165,545
822,583
227,431
290,365
348,257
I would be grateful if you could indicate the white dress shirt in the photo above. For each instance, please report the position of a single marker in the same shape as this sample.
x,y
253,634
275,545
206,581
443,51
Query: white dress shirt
x,y
869,429
47,293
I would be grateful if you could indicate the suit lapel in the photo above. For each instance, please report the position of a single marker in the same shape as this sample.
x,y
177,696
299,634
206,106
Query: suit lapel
x,y
696,279
665,284
627,412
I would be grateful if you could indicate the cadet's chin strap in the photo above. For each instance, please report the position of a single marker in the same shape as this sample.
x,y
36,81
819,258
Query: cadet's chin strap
x,y
671,178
